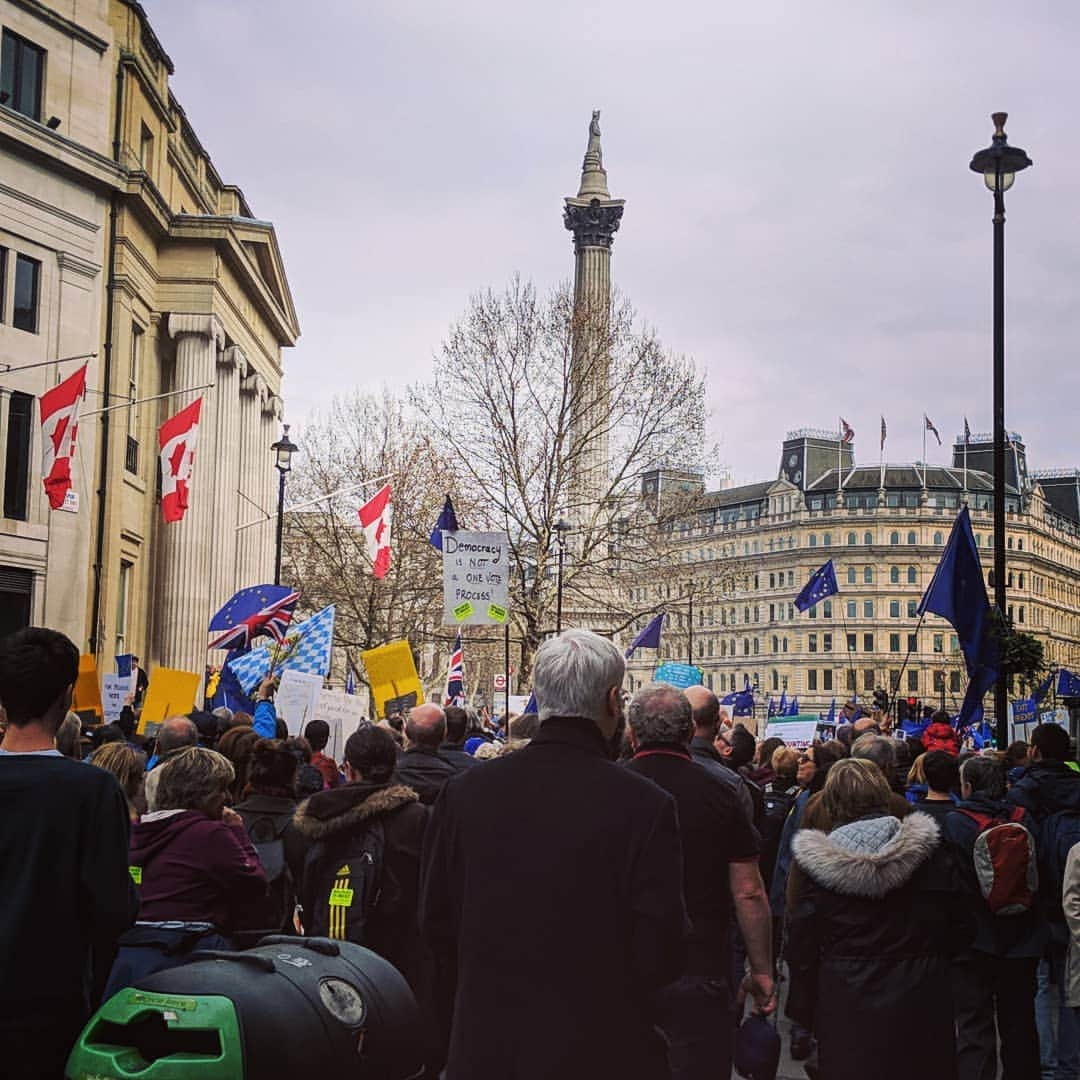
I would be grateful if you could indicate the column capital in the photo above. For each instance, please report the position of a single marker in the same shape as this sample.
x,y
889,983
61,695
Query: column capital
x,y
592,221
206,326
254,383
234,356
274,406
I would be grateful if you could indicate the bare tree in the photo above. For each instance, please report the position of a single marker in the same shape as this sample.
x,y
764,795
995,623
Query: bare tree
x,y
546,413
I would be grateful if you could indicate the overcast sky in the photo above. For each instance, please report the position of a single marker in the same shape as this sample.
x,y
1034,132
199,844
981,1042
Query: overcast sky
x,y
800,215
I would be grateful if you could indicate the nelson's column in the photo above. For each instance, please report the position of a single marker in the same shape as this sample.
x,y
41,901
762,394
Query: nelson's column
x,y
593,217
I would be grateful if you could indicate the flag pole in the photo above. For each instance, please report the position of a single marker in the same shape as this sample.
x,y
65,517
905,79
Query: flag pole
x,y
506,669
127,404
903,666
924,450
839,453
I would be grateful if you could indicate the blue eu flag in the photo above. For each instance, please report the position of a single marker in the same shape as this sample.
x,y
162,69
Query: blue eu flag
x,y
1068,683
958,595
649,638
447,521
822,583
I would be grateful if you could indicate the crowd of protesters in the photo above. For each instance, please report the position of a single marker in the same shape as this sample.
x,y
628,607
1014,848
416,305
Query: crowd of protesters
x,y
605,888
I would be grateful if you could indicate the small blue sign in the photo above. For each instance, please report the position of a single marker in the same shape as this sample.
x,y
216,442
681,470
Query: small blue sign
x,y
680,675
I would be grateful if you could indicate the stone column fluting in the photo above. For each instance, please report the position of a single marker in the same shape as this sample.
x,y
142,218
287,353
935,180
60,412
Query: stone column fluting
x,y
272,412
253,459
184,591
231,363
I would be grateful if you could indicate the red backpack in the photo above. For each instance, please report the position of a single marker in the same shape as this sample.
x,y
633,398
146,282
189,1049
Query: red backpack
x,y
1005,864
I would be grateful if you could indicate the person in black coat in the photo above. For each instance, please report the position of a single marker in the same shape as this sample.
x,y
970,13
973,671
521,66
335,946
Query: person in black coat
x,y
453,746
422,767
551,891
876,921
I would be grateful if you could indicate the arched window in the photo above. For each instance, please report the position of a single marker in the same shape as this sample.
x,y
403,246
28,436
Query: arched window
x,y
851,575
868,539
851,539
746,646
813,540
746,614
911,538
1021,579
757,613
990,578
1010,543
868,575
894,575
1010,582
785,644
774,679
775,644
756,646
912,575
827,612
772,581
1020,544
939,539
894,538
827,540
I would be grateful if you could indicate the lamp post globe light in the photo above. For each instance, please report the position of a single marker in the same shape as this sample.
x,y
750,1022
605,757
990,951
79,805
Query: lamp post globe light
x,y
283,452
999,163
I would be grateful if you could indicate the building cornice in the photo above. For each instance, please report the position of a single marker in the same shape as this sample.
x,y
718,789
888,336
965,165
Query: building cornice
x,y
63,24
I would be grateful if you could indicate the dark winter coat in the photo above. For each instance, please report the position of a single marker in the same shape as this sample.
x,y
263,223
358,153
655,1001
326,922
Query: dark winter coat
x,y
551,893
192,868
704,753
1045,788
458,756
425,771
878,917
392,930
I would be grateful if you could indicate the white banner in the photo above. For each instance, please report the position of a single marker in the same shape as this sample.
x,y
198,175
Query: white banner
x,y
344,713
114,691
297,698
476,570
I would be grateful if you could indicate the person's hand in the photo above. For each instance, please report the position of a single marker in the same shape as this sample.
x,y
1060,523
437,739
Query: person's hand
x,y
266,688
230,817
762,989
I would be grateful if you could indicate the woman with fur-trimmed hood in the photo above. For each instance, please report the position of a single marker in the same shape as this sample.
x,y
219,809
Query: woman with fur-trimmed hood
x,y
370,821
878,919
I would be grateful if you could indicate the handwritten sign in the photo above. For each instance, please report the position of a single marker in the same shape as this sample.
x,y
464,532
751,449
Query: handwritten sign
x,y
344,713
114,690
476,570
297,699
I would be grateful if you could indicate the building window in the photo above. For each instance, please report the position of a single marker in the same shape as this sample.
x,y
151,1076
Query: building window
x,y
868,642
811,642
852,609
868,609
939,643
894,575
911,538
774,677
894,538
827,540
827,609
851,539
912,576
784,644
939,682
868,679
17,456
894,643
811,679
123,594
868,539
826,679
954,682
146,150
851,642
22,65
913,681
912,642
757,646
939,539
3,280
851,575
1021,613
894,680
826,642
868,575
851,679
27,287
894,609
813,540
912,609
131,456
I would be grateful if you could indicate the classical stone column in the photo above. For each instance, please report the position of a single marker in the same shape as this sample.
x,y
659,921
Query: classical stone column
x,y
231,363
254,458
272,412
184,587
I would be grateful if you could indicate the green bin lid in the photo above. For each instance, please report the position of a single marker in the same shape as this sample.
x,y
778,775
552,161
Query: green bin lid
x,y
138,1035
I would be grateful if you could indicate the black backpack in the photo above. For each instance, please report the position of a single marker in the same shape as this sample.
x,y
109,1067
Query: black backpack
x,y
267,835
344,881
778,805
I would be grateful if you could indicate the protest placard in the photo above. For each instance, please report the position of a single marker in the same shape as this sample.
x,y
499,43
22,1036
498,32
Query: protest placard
x,y
297,698
170,693
87,695
115,689
344,713
476,568
395,685
794,730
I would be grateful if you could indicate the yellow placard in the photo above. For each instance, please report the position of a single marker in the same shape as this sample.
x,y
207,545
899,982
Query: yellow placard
x,y
87,694
463,610
170,693
392,675
341,897
136,874
497,613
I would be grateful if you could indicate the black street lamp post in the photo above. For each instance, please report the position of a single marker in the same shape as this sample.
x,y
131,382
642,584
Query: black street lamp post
x,y
999,163
283,452
561,528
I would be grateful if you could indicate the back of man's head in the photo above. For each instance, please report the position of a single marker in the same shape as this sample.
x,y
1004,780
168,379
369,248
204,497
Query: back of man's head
x,y
941,771
785,764
574,674
370,751
982,776
525,726
659,715
1050,742
457,720
426,726
705,710
742,744
317,732
176,732
865,724
38,669
879,750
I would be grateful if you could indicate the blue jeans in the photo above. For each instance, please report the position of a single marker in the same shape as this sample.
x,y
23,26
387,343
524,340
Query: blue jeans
x,y
1059,1030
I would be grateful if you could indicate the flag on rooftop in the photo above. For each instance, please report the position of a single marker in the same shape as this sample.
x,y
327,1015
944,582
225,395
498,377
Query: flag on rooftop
x,y
847,432
930,427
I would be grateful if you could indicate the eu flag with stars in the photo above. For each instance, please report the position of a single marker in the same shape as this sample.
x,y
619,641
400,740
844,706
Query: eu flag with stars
x,y
822,583
1068,684
649,638
447,523
958,595
260,609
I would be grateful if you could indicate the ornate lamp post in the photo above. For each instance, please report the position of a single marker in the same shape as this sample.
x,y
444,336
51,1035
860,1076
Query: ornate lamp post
x,y
283,452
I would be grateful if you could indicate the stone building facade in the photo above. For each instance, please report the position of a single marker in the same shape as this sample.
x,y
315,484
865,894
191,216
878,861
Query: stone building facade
x,y
189,298
743,554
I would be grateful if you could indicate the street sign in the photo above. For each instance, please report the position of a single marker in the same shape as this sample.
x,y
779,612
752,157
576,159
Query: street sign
x,y
500,682
476,569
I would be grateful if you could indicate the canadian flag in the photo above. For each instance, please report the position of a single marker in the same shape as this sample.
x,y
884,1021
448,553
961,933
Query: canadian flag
x,y
176,437
59,426
375,519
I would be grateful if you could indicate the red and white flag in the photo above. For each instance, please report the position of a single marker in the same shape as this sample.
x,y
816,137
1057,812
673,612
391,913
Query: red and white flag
x,y
375,521
59,426
177,437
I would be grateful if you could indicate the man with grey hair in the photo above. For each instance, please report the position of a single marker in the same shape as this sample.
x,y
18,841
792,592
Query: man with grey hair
x,y
583,859
720,866
176,733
